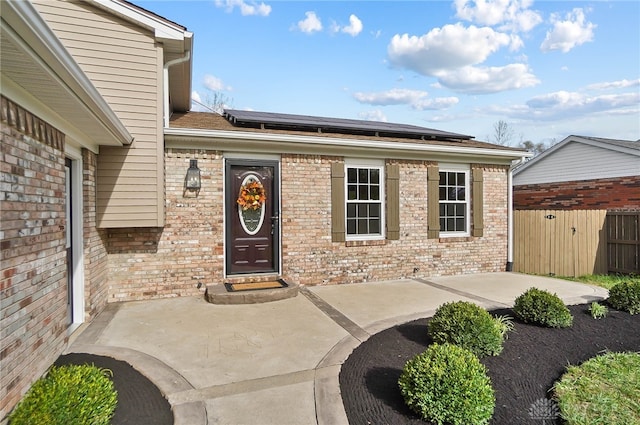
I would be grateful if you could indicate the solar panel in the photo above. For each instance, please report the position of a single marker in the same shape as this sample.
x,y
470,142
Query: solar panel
x,y
340,125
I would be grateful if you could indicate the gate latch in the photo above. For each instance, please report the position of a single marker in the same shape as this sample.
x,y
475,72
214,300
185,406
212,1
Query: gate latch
x,y
550,217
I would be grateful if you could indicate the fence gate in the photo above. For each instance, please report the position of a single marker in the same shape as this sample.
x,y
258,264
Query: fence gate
x,y
559,242
623,241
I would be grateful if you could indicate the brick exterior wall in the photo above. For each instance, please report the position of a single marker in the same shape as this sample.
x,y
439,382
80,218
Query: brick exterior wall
x,y
151,263
615,193
170,261
32,229
94,250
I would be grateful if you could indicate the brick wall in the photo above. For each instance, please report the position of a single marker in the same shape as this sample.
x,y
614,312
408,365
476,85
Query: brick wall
x,y
33,280
309,256
94,250
150,263
614,193
170,261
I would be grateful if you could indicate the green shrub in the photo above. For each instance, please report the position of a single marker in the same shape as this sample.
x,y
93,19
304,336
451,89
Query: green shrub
x,y
625,296
469,326
448,384
68,395
598,311
543,308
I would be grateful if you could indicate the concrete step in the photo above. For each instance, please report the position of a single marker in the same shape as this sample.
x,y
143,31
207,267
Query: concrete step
x,y
218,294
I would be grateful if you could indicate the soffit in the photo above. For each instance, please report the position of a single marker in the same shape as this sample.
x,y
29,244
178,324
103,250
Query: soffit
x,y
37,70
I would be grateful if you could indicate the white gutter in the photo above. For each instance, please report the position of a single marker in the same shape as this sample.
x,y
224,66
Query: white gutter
x,y
28,23
165,70
510,214
297,140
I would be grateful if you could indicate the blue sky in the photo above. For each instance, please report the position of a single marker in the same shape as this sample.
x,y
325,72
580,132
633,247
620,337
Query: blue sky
x,y
549,69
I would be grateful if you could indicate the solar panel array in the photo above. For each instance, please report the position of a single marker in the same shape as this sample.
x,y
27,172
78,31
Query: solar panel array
x,y
271,120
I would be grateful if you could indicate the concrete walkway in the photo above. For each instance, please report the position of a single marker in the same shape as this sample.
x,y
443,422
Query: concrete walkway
x,y
278,362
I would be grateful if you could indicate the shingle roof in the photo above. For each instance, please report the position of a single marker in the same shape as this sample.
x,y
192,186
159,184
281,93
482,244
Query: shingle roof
x,y
630,144
214,121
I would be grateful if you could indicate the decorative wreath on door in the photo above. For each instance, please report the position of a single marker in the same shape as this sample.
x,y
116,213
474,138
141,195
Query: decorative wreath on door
x,y
251,196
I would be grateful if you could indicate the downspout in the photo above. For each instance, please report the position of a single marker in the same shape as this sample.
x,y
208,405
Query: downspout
x,y
510,215
166,66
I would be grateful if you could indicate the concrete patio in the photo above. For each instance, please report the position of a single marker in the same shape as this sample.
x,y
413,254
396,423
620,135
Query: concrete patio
x,y
278,362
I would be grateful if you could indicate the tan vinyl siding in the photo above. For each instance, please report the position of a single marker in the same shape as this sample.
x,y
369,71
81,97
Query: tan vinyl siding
x,y
125,64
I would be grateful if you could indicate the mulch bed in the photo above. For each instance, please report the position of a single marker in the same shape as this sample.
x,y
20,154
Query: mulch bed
x,y
532,360
139,400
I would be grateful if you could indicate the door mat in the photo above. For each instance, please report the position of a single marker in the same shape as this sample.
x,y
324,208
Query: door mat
x,y
252,286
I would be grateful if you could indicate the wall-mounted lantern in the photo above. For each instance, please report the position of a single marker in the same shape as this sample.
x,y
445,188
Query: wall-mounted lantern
x,y
192,180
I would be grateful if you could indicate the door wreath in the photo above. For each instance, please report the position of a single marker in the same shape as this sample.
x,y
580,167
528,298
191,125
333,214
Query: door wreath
x,y
252,195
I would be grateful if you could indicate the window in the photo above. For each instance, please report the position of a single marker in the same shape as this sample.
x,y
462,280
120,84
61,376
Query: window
x,y
454,202
364,201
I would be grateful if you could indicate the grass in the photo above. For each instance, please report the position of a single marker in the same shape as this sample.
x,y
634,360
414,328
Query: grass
x,y
605,281
602,390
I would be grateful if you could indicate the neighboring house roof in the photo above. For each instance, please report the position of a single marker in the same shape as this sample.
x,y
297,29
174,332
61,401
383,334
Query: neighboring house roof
x,y
216,132
38,72
177,42
581,158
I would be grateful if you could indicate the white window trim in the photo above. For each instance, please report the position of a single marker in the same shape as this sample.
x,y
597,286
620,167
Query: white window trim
x,y
366,163
466,169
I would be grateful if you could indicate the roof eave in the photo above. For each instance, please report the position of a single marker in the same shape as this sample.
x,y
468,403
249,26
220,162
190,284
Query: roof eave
x,y
287,143
23,25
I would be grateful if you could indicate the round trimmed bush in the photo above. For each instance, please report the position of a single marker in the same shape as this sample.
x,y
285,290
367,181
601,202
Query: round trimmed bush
x,y
543,308
469,326
447,384
625,296
68,395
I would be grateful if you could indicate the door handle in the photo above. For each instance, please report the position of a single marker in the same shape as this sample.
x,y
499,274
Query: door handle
x,y
274,221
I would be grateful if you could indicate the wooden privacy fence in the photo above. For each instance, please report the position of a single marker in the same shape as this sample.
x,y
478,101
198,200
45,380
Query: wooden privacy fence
x,y
623,241
559,242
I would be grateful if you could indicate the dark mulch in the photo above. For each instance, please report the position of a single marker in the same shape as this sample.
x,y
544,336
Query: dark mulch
x,y
139,400
532,360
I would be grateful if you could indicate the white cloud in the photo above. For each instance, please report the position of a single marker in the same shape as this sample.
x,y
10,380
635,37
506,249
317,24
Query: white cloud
x,y
355,26
513,15
391,97
310,24
196,102
446,48
215,83
246,8
436,104
583,102
621,84
484,80
569,33
375,115
417,99
562,105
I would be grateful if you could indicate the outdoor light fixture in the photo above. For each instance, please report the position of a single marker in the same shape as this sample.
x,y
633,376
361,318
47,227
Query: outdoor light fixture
x,y
192,181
